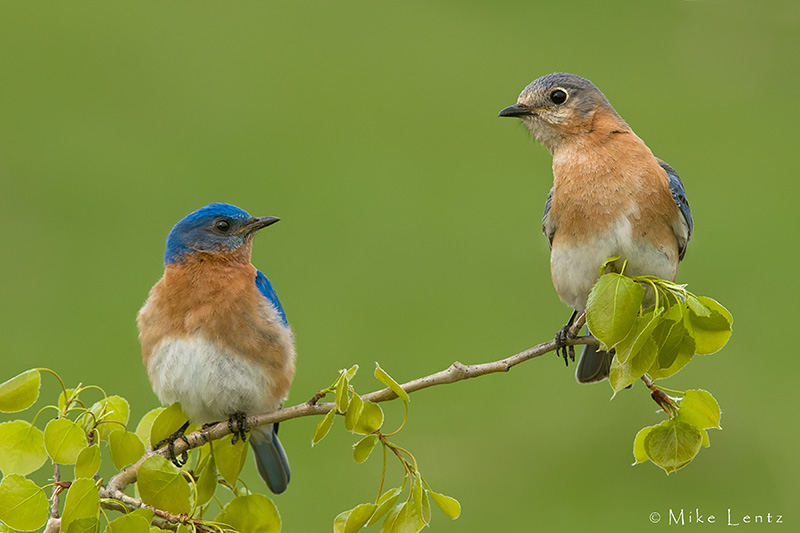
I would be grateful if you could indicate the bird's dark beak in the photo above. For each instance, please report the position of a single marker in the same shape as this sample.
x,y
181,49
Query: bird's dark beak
x,y
256,223
516,110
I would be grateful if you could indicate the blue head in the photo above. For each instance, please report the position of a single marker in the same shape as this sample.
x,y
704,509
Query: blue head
x,y
215,228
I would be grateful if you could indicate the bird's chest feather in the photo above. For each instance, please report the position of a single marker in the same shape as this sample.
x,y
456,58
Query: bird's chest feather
x,y
211,341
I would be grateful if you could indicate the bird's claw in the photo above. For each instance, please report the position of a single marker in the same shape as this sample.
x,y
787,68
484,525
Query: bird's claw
x,y
237,423
170,442
562,349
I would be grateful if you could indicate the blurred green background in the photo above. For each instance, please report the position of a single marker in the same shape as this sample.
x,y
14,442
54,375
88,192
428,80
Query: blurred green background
x,y
411,225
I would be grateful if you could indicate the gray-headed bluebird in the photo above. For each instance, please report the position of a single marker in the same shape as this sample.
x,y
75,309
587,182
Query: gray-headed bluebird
x,y
611,196
214,335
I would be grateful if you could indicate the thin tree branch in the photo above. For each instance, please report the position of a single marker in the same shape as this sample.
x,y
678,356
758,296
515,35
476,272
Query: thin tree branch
x,y
454,373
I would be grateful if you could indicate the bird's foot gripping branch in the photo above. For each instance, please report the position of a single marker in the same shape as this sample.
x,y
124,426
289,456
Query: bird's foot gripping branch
x,y
654,342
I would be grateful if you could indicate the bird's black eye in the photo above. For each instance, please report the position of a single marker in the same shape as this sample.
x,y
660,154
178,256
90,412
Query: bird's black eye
x,y
222,226
558,96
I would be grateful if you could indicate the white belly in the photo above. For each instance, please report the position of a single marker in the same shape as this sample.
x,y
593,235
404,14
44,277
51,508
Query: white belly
x,y
208,381
575,269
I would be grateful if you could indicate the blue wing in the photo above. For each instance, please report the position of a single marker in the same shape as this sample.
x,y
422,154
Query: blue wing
x,y
679,195
265,288
547,204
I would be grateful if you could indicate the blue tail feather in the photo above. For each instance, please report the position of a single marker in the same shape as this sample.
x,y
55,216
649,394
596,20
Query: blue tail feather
x,y
271,460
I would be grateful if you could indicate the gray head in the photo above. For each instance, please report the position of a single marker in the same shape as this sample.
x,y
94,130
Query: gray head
x,y
558,105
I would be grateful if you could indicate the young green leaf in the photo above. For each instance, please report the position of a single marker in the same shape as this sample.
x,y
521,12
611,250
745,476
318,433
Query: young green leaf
x,y
206,480
672,444
130,523
351,373
384,503
323,427
700,409
363,448
112,413
21,448
23,505
145,425
387,380
371,418
353,412
341,394
126,448
638,335
163,486
448,505
711,332
426,507
388,525
167,422
697,306
408,520
83,501
358,516
88,462
64,440
682,358
83,525
705,442
612,308
639,452
254,513
229,458
622,375
20,392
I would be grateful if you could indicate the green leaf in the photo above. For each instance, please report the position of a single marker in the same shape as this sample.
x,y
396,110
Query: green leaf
x,y
385,502
64,440
391,517
126,448
448,505
21,448
672,444
353,412
20,392
83,501
697,306
363,448
166,423
621,375
130,523
83,525
700,409
112,413
340,521
351,373
254,513
426,507
88,462
711,332
639,334
68,396
162,486
682,358
371,418
145,425
145,513
612,308
357,517
639,452
23,505
207,477
341,394
323,427
408,520
387,380
229,458
705,442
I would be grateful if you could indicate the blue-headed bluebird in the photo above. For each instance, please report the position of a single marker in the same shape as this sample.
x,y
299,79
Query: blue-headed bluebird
x,y
611,196
214,335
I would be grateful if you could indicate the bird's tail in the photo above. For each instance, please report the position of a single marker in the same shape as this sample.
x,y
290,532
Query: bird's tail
x,y
594,365
271,460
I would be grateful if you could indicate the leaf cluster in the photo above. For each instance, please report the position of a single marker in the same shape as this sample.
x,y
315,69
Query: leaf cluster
x,y
84,436
655,328
365,418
